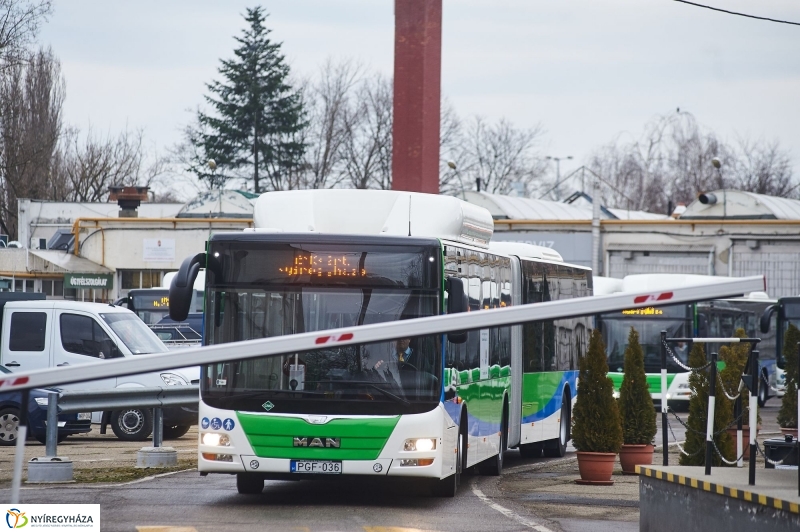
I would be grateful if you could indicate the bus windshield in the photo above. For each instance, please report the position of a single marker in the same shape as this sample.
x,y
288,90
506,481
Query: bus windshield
x,y
648,322
398,376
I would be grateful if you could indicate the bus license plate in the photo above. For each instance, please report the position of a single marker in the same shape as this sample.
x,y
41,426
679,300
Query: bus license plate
x,y
330,467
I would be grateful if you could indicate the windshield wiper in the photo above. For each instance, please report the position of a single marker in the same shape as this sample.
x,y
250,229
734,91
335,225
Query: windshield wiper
x,y
372,385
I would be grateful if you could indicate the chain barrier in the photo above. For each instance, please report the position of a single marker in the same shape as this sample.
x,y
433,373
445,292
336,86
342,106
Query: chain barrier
x,y
714,443
773,462
725,391
735,462
681,364
675,439
703,434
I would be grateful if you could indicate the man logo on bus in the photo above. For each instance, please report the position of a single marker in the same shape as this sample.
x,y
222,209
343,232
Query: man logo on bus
x,y
318,442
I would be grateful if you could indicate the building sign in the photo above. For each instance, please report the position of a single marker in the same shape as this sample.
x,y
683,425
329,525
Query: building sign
x,y
87,281
158,250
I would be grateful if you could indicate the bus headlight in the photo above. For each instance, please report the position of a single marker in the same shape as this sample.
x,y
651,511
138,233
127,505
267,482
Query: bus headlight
x,y
216,440
420,444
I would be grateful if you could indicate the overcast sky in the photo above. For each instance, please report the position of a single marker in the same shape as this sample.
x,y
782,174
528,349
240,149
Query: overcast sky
x,y
586,70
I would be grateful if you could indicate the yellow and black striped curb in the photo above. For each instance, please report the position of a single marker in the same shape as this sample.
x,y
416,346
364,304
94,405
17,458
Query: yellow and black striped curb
x,y
710,487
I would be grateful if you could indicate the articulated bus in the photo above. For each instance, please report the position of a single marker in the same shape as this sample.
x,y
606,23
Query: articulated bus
x,y
718,318
419,407
775,320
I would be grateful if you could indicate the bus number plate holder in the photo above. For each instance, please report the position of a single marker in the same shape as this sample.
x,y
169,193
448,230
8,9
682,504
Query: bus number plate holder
x,y
326,467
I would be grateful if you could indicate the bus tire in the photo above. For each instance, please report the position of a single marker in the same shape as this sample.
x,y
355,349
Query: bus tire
x,y
530,450
557,447
494,465
448,487
763,390
249,483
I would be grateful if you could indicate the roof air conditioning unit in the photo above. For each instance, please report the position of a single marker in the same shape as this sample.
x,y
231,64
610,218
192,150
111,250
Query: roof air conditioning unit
x,y
38,243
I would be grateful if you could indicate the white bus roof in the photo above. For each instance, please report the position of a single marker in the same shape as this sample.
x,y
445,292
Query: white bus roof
x,y
524,250
199,283
602,286
373,212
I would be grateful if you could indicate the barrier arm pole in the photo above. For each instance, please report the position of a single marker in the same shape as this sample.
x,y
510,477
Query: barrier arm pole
x,y
753,416
664,420
712,388
19,457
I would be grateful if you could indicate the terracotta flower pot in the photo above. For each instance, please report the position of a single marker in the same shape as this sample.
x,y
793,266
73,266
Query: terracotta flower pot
x,y
596,468
745,439
792,432
631,455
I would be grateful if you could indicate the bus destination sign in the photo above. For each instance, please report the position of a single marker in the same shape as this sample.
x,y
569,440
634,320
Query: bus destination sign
x,y
647,311
323,265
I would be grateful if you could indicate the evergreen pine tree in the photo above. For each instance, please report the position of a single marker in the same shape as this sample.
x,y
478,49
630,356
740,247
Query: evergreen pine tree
x,y
635,402
735,358
258,117
787,415
596,421
698,415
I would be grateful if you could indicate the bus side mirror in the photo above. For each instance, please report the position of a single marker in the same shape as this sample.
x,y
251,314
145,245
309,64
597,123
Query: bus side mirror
x,y
457,302
766,317
181,289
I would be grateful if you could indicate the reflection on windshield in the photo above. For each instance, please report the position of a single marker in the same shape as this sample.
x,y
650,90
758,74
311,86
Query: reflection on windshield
x,y
399,371
615,335
137,336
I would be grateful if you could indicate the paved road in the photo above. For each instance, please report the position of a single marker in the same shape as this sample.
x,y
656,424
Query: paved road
x,y
531,495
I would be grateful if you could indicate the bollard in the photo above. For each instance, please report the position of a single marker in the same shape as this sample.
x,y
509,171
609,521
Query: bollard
x,y
51,437
753,416
737,412
664,440
157,455
712,388
50,468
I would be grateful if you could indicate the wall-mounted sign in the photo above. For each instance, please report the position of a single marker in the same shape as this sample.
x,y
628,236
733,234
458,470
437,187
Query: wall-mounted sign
x,y
86,281
158,249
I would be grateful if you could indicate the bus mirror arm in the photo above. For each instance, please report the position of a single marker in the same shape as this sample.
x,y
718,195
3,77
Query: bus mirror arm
x,y
182,287
766,317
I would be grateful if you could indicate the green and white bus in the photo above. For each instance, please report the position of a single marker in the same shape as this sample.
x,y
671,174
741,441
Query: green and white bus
x,y
719,318
424,407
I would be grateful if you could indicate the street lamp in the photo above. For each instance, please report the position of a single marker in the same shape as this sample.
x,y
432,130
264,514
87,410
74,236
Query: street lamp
x,y
454,168
558,172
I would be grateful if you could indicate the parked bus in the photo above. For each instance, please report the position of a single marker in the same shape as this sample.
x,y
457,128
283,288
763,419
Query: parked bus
x,y
777,318
718,318
425,407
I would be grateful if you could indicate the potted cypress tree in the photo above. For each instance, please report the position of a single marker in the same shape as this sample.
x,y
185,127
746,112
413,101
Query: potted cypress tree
x,y
636,409
735,359
695,445
596,429
787,415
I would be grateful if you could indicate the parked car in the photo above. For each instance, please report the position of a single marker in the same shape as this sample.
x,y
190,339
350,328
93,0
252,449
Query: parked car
x,y
75,423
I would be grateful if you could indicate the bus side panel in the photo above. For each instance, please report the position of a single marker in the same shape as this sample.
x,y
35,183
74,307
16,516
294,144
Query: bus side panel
x,y
542,395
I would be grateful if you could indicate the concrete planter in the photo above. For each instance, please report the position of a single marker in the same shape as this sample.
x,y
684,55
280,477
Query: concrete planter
x,y
745,439
596,468
631,455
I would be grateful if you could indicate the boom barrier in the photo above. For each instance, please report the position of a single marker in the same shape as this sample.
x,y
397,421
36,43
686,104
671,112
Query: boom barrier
x,y
290,344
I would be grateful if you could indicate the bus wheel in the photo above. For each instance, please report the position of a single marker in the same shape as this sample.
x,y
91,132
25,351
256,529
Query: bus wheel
x,y
763,391
494,465
557,447
530,450
448,487
249,484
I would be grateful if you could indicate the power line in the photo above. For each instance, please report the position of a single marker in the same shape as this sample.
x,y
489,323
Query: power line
x,y
738,14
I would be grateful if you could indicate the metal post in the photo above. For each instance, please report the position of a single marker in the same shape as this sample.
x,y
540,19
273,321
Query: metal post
x,y
22,433
712,390
737,411
158,427
664,439
797,443
52,424
753,416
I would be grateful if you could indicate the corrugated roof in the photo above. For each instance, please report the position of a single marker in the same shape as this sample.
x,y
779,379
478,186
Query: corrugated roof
x,y
517,208
737,204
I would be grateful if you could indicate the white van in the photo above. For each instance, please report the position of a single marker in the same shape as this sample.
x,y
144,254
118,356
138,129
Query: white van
x,y
56,333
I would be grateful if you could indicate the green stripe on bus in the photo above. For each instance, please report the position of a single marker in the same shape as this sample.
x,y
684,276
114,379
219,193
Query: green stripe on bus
x,y
273,437
538,389
653,380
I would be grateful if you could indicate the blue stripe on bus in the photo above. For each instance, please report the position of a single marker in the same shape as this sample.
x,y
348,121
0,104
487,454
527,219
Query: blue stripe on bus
x,y
554,404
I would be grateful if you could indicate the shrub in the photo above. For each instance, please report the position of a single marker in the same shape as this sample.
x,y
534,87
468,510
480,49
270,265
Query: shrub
x,y
635,402
698,415
735,357
787,415
596,422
